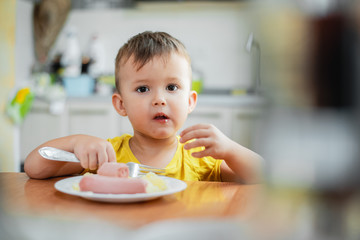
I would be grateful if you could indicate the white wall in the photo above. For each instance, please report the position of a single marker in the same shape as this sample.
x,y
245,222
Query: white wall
x,y
214,33
24,43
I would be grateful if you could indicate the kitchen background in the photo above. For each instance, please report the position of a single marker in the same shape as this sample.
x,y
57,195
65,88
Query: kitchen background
x,y
214,32
303,119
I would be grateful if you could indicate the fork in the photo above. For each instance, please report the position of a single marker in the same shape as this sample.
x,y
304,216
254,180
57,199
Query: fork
x,y
136,169
56,154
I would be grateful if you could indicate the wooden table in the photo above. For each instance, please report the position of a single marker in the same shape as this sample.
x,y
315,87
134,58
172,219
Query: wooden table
x,y
200,200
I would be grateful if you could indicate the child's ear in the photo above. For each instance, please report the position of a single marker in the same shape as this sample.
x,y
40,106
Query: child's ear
x,y
118,104
192,101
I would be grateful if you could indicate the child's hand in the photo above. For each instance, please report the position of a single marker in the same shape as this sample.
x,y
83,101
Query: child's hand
x,y
216,144
93,151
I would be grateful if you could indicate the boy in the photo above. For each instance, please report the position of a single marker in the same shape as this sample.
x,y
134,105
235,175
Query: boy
x,y
153,83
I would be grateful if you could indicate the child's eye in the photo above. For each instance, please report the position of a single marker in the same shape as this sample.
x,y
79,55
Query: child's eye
x,y
171,87
142,89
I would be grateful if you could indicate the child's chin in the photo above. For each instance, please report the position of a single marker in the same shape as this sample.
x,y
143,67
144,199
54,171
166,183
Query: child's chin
x,y
163,135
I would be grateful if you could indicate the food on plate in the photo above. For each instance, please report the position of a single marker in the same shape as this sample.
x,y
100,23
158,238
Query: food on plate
x,y
75,186
155,183
104,184
114,169
96,183
114,178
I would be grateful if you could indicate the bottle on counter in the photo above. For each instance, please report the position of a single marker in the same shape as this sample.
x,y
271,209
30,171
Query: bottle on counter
x,y
96,54
76,83
71,56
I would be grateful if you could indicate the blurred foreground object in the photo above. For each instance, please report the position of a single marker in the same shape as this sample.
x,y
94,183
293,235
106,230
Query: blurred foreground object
x,y
310,135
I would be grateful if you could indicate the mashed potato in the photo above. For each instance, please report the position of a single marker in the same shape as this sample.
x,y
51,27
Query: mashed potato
x,y
155,183
76,187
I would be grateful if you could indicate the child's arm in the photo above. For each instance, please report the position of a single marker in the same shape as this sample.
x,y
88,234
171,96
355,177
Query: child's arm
x,y
91,151
240,163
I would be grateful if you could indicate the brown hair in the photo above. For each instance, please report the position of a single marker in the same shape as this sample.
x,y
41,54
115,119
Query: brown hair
x,y
144,47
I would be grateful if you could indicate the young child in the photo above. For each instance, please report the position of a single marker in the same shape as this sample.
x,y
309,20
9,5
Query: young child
x,y
153,83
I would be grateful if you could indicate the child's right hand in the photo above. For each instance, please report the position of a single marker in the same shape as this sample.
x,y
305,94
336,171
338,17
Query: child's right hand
x,y
93,151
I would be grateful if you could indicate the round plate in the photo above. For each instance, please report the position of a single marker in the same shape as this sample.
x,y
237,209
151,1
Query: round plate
x,y
66,186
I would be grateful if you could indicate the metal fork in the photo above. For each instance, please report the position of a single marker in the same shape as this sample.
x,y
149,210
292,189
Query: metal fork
x,y
136,169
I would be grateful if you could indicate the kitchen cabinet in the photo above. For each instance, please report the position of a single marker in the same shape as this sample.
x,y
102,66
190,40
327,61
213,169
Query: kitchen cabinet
x,y
97,119
93,116
244,123
39,126
236,117
218,116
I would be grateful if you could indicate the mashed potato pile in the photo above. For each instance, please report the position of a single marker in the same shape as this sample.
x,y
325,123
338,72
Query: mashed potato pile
x,y
155,183
76,187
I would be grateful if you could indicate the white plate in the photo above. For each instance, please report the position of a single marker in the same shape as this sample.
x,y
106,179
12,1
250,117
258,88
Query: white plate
x,y
66,186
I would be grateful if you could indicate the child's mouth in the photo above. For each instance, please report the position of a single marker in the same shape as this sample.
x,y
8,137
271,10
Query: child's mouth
x,y
161,117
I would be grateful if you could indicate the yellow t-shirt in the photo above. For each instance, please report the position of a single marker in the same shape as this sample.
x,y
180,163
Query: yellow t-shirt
x,y
183,166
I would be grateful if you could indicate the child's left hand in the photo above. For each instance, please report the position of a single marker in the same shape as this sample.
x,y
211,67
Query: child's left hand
x,y
216,144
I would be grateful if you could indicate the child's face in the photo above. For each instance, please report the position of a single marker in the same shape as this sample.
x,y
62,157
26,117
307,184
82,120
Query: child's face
x,y
156,98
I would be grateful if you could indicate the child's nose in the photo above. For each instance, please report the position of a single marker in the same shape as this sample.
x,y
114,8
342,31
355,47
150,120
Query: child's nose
x,y
159,100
